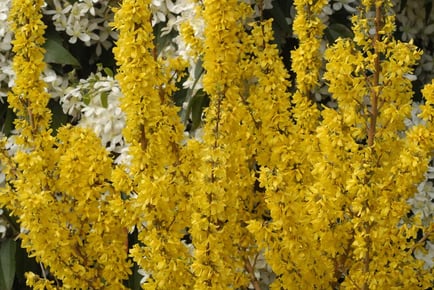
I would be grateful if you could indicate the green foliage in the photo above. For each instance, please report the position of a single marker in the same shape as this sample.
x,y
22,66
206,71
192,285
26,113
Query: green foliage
x,y
7,117
7,263
56,53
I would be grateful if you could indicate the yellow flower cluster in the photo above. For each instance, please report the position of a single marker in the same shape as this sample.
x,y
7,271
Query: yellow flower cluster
x,y
330,208
224,179
290,247
59,187
336,186
307,62
71,227
29,97
369,165
154,182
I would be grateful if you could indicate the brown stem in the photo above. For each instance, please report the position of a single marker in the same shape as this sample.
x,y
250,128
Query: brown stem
x,y
216,132
376,78
260,4
251,270
422,240
366,262
143,138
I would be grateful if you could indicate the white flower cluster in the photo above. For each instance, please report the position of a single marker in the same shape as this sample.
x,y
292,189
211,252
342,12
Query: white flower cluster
x,y
263,272
417,22
423,201
423,206
94,103
337,5
84,20
173,14
3,224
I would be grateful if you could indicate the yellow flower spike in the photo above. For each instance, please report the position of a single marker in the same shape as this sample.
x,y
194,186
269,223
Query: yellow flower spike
x,y
225,178
73,211
50,191
307,60
428,108
29,101
155,187
380,166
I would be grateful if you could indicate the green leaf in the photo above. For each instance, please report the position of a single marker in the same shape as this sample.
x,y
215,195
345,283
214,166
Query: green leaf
x,y
86,98
428,9
59,118
402,6
108,72
277,12
133,282
104,99
24,264
196,106
336,30
7,264
56,53
198,70
7,117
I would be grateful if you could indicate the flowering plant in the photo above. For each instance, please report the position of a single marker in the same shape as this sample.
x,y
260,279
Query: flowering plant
x,y
215,144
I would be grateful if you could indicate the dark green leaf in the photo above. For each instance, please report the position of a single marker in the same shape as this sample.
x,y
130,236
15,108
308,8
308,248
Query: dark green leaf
x,y
24,264
198,70
59,118
7,117
7,264
133,282
279,17
428,9
196,105
56,53
402,6
108,72
336,30
104,99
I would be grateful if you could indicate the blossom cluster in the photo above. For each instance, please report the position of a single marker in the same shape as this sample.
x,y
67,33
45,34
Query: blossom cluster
x,y
94,103
84,20
274,187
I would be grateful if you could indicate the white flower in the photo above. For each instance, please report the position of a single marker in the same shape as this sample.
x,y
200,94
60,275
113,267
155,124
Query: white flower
x,y
84,21
94,102
72,102
88,4
415,120
159,11
145,275
426,255
346,4
179,6
77,30
60,9
2,178
3,230
78,10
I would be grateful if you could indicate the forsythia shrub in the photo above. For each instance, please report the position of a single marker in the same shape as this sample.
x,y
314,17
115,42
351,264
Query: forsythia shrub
x,y
320,191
